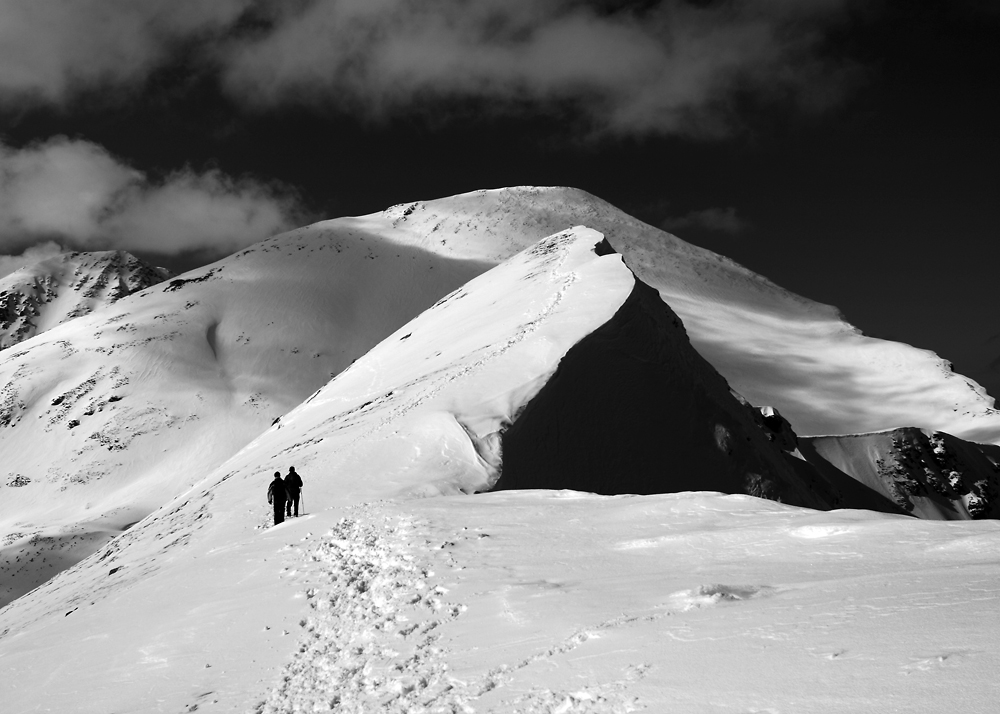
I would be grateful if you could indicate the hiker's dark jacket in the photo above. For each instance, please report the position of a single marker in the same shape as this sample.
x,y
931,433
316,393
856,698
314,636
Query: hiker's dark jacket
x,y
293,483
276,492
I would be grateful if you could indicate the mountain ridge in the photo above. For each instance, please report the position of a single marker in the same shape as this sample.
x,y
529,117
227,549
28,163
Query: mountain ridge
x,y
132,404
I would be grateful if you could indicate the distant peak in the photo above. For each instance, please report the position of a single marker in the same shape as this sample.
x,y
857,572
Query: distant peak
x,y
59,288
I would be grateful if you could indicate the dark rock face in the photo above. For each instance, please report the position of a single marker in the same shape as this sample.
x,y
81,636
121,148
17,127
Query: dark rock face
x,y
924,473
633,408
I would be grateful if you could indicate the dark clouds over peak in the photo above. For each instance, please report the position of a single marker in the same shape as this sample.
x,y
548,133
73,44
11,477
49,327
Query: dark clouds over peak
x,y
660,67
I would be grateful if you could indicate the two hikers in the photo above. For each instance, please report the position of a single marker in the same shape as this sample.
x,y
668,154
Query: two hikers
x,y
282,494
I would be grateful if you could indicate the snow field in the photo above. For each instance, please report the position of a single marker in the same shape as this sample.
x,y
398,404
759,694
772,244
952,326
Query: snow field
x,y
371,636
548,601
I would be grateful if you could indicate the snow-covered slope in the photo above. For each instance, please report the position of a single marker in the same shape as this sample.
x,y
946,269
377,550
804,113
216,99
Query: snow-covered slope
x,y
773,346
510,602
48,293
514,601
485,376
108,416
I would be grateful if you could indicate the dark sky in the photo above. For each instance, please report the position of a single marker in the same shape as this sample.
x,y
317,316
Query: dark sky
x,y
849,151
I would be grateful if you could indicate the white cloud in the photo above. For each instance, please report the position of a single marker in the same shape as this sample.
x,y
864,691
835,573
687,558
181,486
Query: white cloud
x,y
50,48
76,192
721,220
32,254
671,66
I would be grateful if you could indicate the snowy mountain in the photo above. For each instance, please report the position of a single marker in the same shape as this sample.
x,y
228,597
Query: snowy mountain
x,y
772,346
400,591
48,293
556,366
108,416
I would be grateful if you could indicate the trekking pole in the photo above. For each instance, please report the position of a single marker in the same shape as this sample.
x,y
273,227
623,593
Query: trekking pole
x,y
302,495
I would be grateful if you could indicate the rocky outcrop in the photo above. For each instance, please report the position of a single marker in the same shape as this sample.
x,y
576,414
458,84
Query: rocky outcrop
x,y
50,292
925,473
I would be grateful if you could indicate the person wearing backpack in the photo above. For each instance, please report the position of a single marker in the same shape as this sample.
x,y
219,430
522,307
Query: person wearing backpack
x,y
293,484
277,496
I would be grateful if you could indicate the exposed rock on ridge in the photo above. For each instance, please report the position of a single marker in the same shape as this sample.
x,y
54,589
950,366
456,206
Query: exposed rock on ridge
x,y
925,473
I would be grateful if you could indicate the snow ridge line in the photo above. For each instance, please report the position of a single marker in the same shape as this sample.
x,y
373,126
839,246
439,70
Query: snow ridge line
x,y
370,643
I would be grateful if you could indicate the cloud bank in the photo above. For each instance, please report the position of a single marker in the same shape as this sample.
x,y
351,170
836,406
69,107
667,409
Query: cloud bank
x,y
76,193
49,50
672,66
32,254
631,67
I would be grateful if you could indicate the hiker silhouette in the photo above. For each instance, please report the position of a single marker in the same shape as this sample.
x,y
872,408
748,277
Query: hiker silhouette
x,y
293,484
277,495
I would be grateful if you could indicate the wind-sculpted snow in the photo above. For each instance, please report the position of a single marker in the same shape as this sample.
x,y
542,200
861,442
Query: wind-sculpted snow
x,y
109,415
513,601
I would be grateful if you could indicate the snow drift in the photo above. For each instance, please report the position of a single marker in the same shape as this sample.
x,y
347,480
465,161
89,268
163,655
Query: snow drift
x,y
557,369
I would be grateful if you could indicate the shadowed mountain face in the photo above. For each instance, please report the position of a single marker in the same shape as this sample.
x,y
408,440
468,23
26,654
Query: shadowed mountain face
x,y
40,296
633,408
